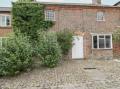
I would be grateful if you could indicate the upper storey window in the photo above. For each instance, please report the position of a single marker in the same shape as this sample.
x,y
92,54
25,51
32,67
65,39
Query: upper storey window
x,y
100,16
5,20
50,15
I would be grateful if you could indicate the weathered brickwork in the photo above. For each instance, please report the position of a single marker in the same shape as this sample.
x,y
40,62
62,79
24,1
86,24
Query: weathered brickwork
x,y
83,18
116,50
5,31
87,45
102,54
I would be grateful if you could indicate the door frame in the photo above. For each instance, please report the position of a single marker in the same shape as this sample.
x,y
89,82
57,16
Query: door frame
x,y
82,47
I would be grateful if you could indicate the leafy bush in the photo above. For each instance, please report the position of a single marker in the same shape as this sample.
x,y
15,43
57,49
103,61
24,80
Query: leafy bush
x,y
28,18
15,56
49,49
64,39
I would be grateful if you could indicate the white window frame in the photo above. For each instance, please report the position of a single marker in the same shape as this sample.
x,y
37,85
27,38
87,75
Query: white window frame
x,y
104,41
5,20
98,15
1,41
47,18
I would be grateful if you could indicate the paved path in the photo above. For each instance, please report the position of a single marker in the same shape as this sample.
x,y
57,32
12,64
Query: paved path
x,y
69,75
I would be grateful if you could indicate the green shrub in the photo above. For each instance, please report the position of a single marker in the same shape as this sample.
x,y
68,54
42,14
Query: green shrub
x,y
49,49
64,39
29,18
15,56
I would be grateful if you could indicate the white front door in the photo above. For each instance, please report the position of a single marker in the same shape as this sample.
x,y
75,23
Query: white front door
x,y
77,49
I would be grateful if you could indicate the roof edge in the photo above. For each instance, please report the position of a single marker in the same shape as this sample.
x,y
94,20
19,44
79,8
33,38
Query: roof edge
x,y
75,4
116,3
7,9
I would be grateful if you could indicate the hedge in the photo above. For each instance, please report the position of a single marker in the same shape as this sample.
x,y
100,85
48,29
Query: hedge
x,y
48,49
65,39
15,56
28,18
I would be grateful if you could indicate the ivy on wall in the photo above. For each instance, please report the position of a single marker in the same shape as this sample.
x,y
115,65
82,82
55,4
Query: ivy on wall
x,y
28,18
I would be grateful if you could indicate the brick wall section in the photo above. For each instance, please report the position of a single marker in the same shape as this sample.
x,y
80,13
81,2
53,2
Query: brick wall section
x,y
84,19
4,32
87,44
116,50
102,54
81,18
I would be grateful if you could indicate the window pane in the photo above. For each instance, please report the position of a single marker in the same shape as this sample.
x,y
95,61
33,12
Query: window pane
x,y
3,21
49,15
101,36
95,41
101,43
100,16
108,41
8,20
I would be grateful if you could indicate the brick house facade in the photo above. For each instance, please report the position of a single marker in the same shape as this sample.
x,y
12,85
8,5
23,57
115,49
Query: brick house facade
x,y
95,23
83,18
5,29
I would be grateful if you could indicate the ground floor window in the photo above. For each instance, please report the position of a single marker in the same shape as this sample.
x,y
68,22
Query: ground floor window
x,y
102,41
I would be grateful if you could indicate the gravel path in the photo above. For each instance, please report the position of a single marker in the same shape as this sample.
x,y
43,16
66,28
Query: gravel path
x,y
69,75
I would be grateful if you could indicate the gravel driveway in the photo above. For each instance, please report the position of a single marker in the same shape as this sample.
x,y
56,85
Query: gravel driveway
x,y
72,74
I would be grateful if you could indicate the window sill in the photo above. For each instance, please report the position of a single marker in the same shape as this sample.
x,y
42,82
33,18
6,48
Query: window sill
x,y
8,27
100,20
102,48
51,20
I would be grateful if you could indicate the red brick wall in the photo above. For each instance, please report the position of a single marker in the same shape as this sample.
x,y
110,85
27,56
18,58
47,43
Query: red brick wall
x,y
102,54
87,44
5,31
116,50
81,18
84,18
